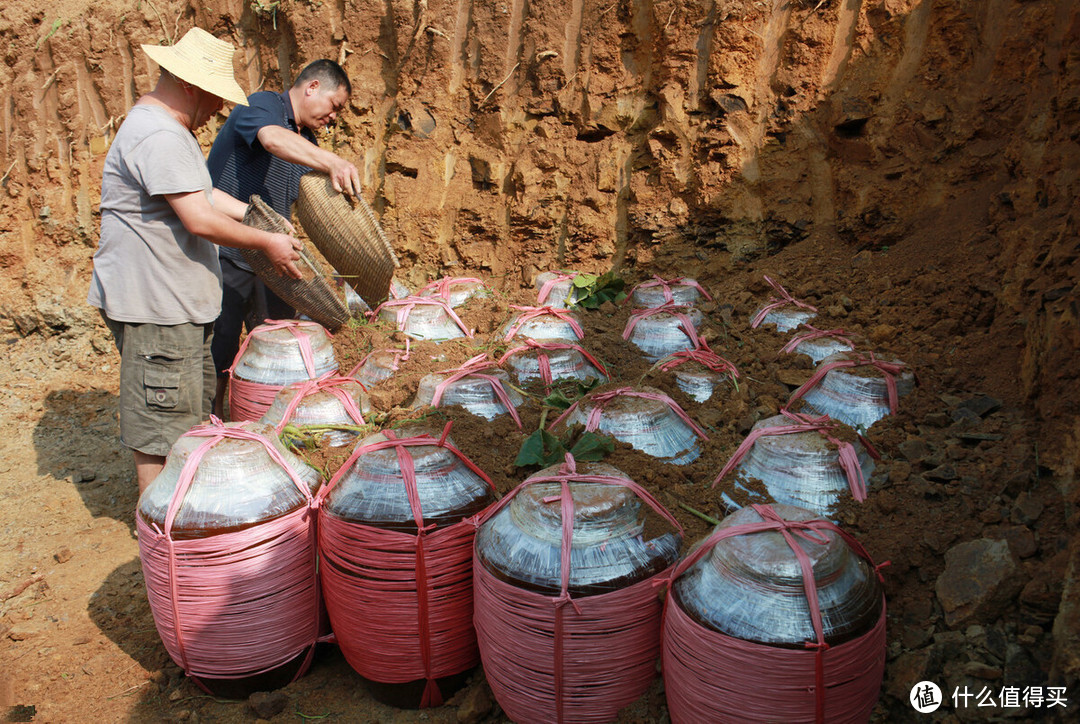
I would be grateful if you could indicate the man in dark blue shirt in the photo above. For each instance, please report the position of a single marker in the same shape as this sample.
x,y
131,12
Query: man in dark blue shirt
x,y
264,148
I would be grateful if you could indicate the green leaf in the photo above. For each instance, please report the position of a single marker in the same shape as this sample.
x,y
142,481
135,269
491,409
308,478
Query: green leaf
x,y
592,447
541,448
583,280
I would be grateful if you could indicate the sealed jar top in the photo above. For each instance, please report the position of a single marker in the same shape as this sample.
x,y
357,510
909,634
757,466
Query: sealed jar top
x,y
318,407
274,357
751,586
373,491
522,543
237,484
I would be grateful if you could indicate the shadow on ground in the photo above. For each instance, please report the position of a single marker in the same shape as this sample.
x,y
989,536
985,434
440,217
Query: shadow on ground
x,y
77,441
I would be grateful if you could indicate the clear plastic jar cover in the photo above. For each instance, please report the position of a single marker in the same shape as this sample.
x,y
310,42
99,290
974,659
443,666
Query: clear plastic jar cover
x,y
373,490
319,408
662,334
819,348
856,396
460,291
424,321
650,426
786,318
543,326
565,364
751,586
237,484
273,356
380,365
800,469
682,293
522,543
562,294
475,394
697,382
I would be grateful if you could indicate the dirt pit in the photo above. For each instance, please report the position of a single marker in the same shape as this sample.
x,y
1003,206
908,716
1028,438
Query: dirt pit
x,y
958,465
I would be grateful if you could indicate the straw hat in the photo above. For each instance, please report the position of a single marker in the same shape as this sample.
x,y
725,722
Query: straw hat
x,y
202,60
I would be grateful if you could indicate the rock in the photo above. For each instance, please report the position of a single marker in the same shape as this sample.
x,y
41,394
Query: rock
x,y
980,579
475,705
1026,510
982,405
964,415
942,473
793,378
1021,539
937,419
63,555
981,671
899,471
912,666
268,704
176,694
914,450
22,632
883,333
1021,669
1066,632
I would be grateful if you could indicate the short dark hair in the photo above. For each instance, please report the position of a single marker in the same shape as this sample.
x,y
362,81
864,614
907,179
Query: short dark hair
x,y
328,73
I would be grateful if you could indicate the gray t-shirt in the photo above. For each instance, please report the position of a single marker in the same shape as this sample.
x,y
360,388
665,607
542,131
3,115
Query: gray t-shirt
x,y
148,267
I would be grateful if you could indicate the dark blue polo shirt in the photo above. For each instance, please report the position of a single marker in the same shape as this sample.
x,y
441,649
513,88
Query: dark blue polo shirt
x,y
240,166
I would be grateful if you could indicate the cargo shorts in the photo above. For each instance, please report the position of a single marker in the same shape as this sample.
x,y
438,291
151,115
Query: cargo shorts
x,y
167,382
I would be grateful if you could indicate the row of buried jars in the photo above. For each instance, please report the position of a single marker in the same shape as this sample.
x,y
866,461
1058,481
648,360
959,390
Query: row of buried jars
x,y
410,531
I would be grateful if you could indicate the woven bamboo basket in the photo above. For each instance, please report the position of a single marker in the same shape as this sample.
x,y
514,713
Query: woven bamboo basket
x,y
312,296
348,235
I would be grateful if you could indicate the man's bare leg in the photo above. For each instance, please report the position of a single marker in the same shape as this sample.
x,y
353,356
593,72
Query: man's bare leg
x,y
147,468
219,397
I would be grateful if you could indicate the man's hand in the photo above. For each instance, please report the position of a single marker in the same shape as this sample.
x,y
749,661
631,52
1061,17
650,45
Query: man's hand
x,y
283,252
344,176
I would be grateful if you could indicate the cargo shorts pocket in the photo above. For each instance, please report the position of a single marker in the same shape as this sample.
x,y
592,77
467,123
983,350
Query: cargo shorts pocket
x,y
161,379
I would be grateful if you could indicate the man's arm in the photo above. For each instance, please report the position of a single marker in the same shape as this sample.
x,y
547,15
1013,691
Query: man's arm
x,y
234,208
202,219
294,148
229,205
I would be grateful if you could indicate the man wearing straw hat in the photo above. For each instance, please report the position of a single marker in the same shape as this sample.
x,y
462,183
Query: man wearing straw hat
x,y
264,148
156,279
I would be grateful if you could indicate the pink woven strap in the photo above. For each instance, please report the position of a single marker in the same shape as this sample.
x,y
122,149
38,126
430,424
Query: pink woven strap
x,y
667,284
838,334
703,355
250,400
712,677
238,604
542,358
295,327
685,323
888,369
474,368
400,355
441,287
599,400
405,306
216,574
546,287
847,457
332,384
811,531
419,565
529,313
775,303
567,473
400,603
392,441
